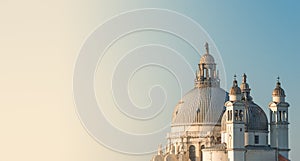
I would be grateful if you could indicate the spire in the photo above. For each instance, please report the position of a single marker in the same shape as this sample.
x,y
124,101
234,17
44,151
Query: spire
x,y
206,57
245,88
234,81
278,83
244,78
244,85
207,48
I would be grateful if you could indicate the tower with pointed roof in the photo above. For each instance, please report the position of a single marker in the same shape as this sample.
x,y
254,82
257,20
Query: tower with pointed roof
x,y
279,122
235,125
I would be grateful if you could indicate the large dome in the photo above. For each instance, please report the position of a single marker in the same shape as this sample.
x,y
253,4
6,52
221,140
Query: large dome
x,y
255,118
200,106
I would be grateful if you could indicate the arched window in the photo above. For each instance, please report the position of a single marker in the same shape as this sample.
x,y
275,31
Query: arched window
x,y
192,153
228,115
205,73
236,115
202,147
198,115
241,115
280,116
285,116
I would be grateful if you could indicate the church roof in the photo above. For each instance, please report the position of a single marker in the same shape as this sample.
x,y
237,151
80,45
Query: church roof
x,y
282,158
254,117
200,105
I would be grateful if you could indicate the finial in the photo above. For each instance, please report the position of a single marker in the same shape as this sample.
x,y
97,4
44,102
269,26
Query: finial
x,y
244,78
278,82
206,48
234,81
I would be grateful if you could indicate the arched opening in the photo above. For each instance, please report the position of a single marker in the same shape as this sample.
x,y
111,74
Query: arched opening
x,y
285,119
241,115
202,147
204,73
273,116
198,116
280,117
192,153
236,115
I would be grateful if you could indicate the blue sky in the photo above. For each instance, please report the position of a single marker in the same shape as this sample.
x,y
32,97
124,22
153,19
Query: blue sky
x,y
260,38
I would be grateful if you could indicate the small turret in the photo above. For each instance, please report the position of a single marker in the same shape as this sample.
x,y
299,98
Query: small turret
x,y
235,93
245,89
278,93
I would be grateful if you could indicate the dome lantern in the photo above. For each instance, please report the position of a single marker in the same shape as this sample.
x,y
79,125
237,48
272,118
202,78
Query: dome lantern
x,y
278,93
245,89
207,58
207,75
235,91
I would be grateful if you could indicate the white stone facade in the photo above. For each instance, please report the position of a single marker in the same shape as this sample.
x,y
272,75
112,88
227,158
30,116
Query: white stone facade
x,y
210,124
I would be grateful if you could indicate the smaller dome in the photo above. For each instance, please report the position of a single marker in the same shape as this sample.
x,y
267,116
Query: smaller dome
x,y
207,59
278,91
235,90
255,118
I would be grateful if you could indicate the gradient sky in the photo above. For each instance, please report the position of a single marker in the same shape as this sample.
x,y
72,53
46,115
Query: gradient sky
x,y
40,42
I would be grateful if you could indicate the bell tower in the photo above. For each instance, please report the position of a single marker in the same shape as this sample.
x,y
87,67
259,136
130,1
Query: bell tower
x,y
235,124
279,123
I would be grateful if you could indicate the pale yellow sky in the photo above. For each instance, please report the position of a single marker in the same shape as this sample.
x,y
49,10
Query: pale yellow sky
x,y
40,41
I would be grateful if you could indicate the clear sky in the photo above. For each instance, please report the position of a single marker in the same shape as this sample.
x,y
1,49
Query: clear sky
x,y
41,41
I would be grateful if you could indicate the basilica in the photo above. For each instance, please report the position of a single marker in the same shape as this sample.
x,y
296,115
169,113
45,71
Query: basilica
x,y
211,124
